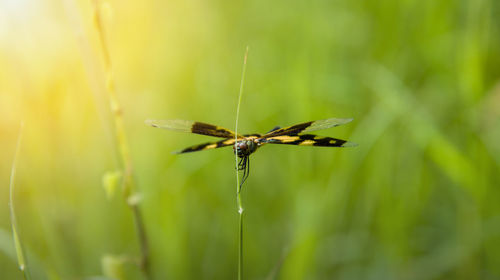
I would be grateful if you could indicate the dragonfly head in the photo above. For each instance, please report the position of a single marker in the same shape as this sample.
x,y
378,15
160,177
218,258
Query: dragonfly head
x,y
244,148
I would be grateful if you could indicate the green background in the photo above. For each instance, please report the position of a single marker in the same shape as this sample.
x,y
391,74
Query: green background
x,y
419,197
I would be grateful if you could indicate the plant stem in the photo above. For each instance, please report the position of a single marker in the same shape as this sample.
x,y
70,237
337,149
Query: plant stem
x,y
21,260
238,186
129,186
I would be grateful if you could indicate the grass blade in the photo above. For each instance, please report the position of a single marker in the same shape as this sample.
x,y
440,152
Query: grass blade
x,y
238,186
21,259
128,182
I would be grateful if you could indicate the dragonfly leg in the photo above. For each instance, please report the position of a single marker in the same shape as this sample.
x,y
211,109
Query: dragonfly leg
x,y
246,170
241,163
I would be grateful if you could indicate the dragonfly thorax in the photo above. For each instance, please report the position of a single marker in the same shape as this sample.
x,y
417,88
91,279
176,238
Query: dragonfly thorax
x,y
244,148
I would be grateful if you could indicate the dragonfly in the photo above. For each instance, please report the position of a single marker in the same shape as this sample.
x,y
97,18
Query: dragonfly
x,y
246,144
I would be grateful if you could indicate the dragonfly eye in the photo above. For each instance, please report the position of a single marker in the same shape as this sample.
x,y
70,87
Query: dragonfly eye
x,y
243,146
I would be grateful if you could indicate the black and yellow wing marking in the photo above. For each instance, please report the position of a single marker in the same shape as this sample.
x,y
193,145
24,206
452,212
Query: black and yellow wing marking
x,y
308,140
193,127
207,146
306,127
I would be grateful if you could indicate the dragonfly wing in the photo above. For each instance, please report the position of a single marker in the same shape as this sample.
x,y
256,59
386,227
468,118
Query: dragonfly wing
x,y
307,127
207,146
308,140
193,127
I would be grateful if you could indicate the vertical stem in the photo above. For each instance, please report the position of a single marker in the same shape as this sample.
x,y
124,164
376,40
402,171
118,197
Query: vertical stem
x,y
21,259
129,186
238,186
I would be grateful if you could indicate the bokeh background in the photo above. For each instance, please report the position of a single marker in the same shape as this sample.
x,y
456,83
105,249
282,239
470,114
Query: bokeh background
x,y
419,197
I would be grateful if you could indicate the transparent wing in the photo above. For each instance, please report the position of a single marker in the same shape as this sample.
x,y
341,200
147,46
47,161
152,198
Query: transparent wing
x,y
192,127
307,127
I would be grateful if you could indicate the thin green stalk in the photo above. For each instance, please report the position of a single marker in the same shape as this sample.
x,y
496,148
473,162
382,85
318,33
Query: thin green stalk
x,y
238,186
129,187
21,259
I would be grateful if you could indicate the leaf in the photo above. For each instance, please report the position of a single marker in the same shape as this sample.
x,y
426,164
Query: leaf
x,y
113,267
110,182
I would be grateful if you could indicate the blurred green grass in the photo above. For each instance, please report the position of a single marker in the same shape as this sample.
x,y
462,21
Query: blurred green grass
x,y
417,199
